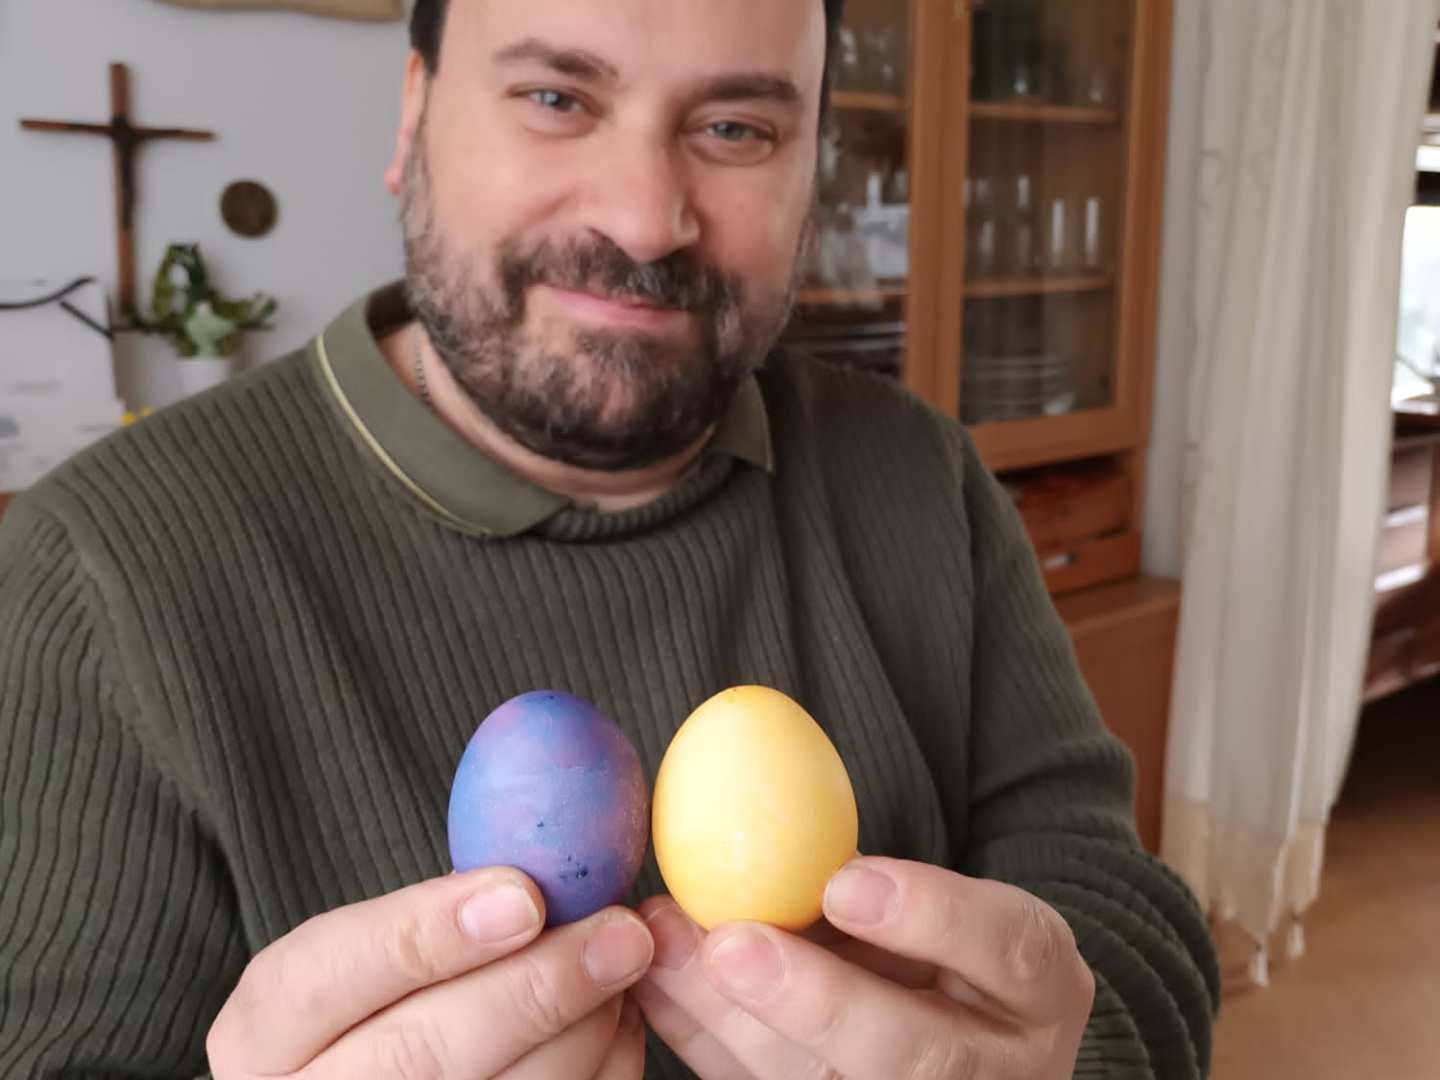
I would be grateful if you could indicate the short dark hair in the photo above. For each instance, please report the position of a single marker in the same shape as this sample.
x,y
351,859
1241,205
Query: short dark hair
x,y
427,27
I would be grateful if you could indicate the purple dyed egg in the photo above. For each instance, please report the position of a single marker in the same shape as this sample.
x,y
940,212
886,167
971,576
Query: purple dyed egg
x,y
551,786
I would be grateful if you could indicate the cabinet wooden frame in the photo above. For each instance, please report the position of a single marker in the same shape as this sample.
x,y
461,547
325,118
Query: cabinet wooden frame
x,y
941,115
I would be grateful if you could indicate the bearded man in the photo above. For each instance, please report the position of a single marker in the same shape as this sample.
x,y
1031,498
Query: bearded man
x,y
244,641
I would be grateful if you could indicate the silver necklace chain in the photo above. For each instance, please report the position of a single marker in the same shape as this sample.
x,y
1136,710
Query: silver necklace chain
x,y
420,383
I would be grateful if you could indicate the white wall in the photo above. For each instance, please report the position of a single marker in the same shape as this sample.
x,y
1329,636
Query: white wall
x,y
305,105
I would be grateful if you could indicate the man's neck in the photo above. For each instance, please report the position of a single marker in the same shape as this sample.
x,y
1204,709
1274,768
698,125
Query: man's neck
x,y
608,492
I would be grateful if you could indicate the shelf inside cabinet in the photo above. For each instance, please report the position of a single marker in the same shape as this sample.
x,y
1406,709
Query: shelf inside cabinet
x,y
871,102
1040,113
823,297
1000,288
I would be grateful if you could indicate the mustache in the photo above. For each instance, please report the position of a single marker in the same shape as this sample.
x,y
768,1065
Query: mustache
x,y
598,265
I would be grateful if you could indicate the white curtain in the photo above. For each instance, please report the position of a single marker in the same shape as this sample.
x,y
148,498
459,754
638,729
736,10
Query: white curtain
x,y
1291,166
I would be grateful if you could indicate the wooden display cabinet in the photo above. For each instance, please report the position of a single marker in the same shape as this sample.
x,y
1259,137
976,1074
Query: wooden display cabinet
x,y
996,188
991,198
1405,634
991,194
1124,637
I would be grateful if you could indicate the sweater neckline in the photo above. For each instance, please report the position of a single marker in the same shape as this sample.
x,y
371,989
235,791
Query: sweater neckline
x,y
466,488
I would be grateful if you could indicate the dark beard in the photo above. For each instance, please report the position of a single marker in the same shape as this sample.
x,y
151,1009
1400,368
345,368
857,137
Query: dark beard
x,y
617,400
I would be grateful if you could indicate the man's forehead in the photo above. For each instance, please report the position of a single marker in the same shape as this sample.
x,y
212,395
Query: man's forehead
x,y
675,38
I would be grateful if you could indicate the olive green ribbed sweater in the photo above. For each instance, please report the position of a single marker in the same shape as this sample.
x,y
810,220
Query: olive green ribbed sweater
x,y
239,660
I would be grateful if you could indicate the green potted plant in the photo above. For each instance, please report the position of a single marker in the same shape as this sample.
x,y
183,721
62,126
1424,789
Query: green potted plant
x,y
203,327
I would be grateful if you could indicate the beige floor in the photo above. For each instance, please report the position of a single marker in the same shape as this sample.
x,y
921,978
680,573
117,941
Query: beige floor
x,y
1364,1002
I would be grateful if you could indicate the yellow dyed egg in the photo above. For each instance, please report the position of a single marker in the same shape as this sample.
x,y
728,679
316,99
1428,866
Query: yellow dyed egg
x,y
753,811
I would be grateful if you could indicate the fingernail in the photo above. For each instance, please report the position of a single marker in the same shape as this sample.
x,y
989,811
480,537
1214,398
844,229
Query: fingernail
x,y
499,913
616,951
860,895
675,937
747,963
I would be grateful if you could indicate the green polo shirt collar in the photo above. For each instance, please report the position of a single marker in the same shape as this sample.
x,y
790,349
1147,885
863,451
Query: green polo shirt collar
x,y
453,478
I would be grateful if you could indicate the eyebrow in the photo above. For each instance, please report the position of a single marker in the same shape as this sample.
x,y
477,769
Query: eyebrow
x,y
587,66
750,87
577,63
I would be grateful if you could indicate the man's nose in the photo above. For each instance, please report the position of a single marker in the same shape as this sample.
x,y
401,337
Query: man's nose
x,y
643,203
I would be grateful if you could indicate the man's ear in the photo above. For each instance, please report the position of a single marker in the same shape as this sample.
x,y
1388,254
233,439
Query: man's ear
x,y
412,107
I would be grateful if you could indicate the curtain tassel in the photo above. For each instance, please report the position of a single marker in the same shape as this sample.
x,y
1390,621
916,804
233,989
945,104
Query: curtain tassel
x,y
1295,939
1260,965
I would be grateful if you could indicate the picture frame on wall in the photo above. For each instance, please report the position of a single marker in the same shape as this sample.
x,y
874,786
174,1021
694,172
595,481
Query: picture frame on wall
x,y
362,10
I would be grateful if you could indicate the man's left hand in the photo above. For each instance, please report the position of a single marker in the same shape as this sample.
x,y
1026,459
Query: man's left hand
x,y
943,977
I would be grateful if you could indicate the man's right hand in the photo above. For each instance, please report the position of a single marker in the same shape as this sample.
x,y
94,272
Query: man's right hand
x,y
448,978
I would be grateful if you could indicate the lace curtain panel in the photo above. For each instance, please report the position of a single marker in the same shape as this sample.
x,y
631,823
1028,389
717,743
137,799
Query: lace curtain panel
x,y
1295,126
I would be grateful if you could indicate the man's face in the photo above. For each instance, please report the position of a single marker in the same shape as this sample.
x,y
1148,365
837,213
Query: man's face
x,y
603,205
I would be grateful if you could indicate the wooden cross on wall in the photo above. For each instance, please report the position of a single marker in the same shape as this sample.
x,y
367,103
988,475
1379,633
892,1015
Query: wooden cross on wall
x,y
126,139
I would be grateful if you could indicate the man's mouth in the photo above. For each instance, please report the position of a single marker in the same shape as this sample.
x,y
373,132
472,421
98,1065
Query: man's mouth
x,y
615,308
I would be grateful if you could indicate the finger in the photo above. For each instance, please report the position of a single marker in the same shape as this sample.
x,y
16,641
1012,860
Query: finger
x,y
700,1024
851,1020
626,1059
306,989
914,974
683,1034
676,938
1005,943
576,1052
488,1019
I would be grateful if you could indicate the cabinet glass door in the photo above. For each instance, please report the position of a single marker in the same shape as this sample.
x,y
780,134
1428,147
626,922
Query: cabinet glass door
x,y
1045,199
852,301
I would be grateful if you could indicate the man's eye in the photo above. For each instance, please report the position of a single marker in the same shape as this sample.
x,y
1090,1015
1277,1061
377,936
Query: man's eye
x,y
731,142
730,131
554,100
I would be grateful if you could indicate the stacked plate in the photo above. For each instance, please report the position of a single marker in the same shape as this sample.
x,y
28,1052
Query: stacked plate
x,y
1015,387
871,346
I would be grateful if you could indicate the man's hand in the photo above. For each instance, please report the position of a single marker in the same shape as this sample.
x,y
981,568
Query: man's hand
x,y
947,977
448,978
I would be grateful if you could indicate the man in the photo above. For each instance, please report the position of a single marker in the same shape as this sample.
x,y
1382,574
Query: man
x,y
245,642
